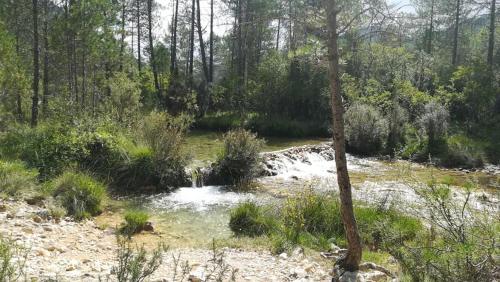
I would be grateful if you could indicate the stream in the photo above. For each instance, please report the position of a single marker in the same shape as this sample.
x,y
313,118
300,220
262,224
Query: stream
x,y
193,216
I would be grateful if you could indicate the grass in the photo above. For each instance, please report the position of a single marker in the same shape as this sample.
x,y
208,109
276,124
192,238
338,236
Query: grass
x,y
135,222
17,180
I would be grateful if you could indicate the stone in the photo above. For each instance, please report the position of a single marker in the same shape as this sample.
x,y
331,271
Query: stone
x,y
283,256
3,208
10,216
50,248
27,230
35,201
42,253
148,227
37,219
48,228
298,252
375,276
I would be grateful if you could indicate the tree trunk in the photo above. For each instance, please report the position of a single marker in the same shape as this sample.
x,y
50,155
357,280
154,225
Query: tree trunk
x,y
353,257
278,35
191,41
122,33
139,60
36,66
151,49
202,43
211,55
173,47
454,56
45,95
491,44
431,30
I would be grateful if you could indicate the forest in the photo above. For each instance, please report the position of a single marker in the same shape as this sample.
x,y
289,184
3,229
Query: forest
x,y
280,138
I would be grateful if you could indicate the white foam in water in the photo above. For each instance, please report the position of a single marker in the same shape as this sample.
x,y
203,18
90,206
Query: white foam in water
x,y
199,199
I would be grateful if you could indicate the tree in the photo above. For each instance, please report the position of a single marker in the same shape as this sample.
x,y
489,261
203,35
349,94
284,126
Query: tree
x,y
152,60
454,55
351,261
202,43
173,47
491,42
36,66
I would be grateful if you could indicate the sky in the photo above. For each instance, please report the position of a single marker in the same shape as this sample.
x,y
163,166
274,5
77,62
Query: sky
x,y
222,23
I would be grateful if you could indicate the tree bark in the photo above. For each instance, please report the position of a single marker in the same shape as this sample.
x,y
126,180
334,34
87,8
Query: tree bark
x,y
454,56
431,30
139,60
151,49
278,35
191,41
173,47
353,257
491,44
122,33
36,66
45,95
202,43
211,55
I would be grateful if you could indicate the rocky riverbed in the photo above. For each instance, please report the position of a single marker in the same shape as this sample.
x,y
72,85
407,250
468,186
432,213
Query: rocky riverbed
x,y
64,250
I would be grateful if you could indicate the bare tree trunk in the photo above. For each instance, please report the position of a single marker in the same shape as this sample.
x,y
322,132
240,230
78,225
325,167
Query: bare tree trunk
x,y
36,66
68,48
454,56
278,35
84,77
353,257
151,49
45,94
491,44
122,33
139,60
202,43
191,41
211,55
431,30
173,56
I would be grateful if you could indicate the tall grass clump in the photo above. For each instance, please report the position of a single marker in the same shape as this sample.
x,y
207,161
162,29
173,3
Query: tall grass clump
x,y
249,219
79,194
12,260
366,129
16,179
135,222
164,135
238,164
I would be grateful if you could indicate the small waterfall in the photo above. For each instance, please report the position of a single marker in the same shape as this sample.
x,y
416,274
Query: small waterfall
x,y
196,178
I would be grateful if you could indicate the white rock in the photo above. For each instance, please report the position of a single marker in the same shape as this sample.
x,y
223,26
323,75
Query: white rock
x,y
283,256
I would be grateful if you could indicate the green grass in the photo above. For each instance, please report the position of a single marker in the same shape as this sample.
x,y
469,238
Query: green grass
x,y
17,180
135,221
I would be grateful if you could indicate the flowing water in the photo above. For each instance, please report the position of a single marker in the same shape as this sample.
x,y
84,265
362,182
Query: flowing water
x,y
193,216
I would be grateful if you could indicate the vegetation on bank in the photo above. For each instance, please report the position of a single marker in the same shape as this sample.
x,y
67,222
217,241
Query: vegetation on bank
x,y
451,242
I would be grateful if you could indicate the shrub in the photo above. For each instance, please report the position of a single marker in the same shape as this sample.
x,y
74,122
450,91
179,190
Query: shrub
x,y
165,135
79,194
459,246
462,152
434,123
397,119
250,220
136,265
366,130
283,127
135,222
222,121
239,162
124,101
12,260
16,179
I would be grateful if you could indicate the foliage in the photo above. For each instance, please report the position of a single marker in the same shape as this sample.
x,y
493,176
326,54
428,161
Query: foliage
x,y
239,162
135,221
460,245
314,221
12,260
366,130
462,152
80,194
164,134
16,179
124,101
248,219
135,264
434,123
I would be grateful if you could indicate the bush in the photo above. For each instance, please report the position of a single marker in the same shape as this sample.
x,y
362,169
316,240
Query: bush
x,y
460,245
165,135
124,101
250,220
366,130
222,121
16,179
282,127
12,260
135,222
136,265
80,195
462,152
434,123
239,162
